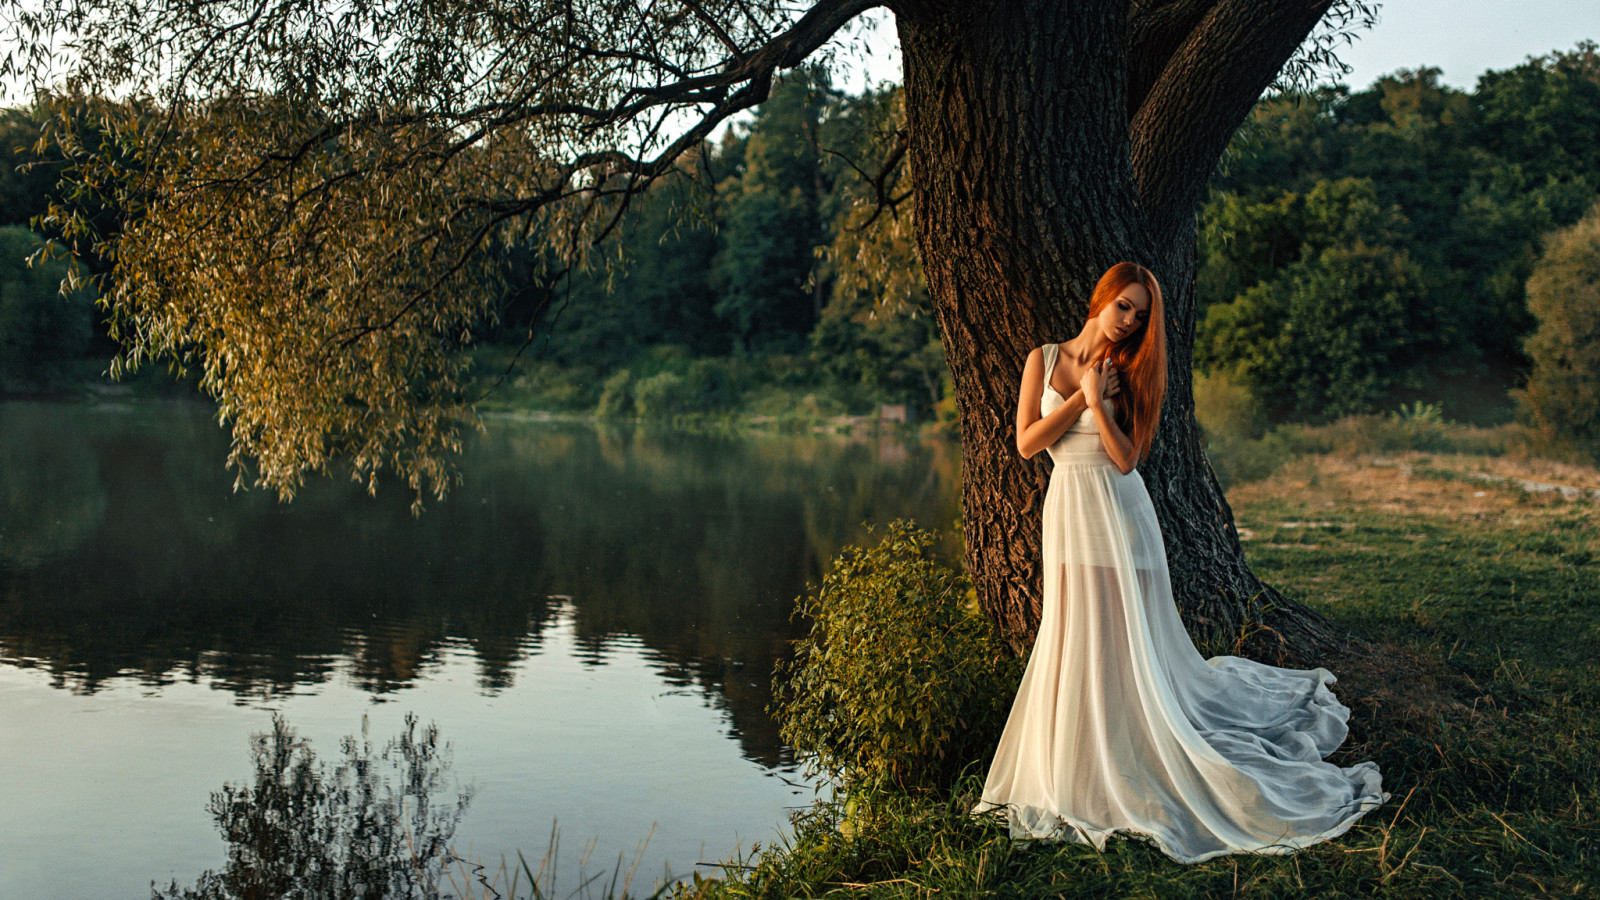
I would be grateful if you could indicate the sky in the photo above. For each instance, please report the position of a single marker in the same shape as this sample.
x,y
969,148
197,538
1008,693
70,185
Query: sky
x,y
1463,38
1466,37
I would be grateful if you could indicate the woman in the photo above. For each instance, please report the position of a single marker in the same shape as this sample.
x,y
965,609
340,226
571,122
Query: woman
x,y
1119,724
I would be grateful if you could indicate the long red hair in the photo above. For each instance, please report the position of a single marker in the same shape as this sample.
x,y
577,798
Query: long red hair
x,y
1141,358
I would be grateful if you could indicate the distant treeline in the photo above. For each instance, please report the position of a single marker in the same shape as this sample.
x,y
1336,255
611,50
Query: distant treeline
x,y
1364,249
1359,250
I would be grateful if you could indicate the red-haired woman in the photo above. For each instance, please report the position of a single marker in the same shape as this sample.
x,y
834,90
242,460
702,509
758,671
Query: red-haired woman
x,y
1119,724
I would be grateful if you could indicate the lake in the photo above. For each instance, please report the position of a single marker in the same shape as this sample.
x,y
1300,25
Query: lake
x,y
590,621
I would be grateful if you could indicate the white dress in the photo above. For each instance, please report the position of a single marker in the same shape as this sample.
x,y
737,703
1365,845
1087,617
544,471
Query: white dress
x,y
1120,725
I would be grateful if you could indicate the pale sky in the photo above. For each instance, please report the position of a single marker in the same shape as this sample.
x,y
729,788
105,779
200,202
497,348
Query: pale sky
x,y
1461,37
1466,37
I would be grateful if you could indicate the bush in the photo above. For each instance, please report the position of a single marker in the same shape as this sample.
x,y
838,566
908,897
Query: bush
x,y
715,383
1238,460
901,681
1563,391
1341,333
1225,407
1419,427
616,397
665,382
1238,444
663,395
506,379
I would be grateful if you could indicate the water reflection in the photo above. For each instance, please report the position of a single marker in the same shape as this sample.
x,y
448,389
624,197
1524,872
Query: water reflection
x,y
124,553
369,825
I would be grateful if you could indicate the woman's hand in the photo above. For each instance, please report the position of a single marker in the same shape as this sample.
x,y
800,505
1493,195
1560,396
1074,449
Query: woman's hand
x,y
1113,385
1093,382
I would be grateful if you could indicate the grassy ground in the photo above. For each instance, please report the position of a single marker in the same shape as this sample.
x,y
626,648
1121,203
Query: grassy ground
x,y
1480,600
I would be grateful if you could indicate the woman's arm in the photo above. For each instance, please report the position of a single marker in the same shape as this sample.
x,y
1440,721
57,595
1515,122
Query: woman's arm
x,y
1118,445
1035,432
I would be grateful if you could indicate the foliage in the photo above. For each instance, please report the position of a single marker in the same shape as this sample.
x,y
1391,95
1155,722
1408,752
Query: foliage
x,y
363,827
1224,406
1461,184
1238,444
1421,426
40,323
871,249
767,291
1563,390
1249,241
1447,180
507,380
876,355
876,337
649,283
661,396
901,681
1332,335
616,397
26,178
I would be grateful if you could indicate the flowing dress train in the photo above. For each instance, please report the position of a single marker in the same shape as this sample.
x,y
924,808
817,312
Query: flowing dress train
x,y
1120,725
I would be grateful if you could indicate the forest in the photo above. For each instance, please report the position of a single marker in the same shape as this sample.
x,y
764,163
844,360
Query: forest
x,y
1359,251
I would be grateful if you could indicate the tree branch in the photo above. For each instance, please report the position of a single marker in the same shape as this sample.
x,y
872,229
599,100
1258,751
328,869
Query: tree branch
x,y
1205,90
1156,29
884,197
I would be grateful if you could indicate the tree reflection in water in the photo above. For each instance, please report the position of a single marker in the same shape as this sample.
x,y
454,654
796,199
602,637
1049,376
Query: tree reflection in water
x,y
368,826
124,554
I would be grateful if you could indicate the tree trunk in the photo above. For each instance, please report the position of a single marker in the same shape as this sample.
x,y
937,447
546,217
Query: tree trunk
x,y
1019,143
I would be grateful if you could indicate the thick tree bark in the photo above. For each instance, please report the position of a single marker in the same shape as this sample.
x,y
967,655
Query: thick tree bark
x,y
1043,150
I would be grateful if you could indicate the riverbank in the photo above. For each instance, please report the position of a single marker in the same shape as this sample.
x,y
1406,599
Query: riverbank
x,y
1477,696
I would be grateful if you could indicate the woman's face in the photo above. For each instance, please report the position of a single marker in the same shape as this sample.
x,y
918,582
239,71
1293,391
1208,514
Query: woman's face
x,y
1123,317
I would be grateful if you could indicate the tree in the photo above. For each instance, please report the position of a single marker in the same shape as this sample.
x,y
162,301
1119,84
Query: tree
x,y
25,179
40,326
315,193
1315,309
1339,333
764,267
877,331
655,291
1479,177
1563,390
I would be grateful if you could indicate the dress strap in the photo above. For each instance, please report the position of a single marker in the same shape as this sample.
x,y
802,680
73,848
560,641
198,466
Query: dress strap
x,y
1052,352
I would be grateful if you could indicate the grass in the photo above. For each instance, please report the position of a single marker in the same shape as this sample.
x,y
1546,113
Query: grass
x,y
1480,601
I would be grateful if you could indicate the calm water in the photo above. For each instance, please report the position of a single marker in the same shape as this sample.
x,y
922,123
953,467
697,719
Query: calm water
x,y
591,621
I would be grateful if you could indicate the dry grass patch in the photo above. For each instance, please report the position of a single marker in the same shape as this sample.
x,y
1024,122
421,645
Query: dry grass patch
x,y
1481,489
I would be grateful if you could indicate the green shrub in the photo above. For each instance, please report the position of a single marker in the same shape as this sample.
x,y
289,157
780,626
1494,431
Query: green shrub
x,y
1337,334
549,387
901,681
663,395
506,379
714,383
1563,391
1238,444
1225,407
1238,460
1420,426
616,396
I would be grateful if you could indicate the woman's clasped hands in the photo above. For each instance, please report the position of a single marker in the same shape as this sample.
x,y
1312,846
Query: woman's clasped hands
x,y
1099,381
